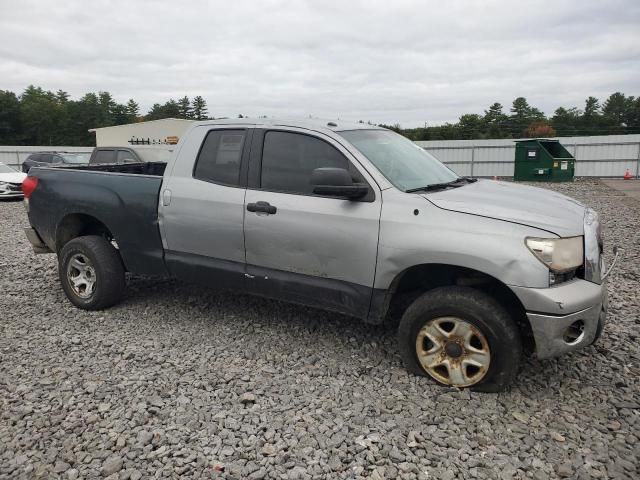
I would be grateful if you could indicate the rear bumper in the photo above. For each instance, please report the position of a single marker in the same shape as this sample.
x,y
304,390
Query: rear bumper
x,y
577,306
36,242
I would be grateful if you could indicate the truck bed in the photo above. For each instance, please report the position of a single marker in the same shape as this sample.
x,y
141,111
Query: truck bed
x,y
143,168
123,198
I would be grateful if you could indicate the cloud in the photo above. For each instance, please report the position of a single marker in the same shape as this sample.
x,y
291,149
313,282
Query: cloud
x,y
407,62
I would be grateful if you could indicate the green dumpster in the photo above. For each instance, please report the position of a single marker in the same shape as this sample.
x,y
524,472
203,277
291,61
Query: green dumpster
x,y
542,160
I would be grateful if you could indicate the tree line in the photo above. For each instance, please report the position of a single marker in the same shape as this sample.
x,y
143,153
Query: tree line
x,y
42,117
618,114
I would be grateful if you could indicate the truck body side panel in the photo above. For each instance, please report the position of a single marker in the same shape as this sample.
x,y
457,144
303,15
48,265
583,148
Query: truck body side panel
x,y
126,204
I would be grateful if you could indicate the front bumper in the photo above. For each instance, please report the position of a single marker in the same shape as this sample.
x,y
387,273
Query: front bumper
x,y
9,195
10,190
556,311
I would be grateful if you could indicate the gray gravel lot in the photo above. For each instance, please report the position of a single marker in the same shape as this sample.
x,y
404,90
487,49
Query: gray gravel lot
x,y
181,380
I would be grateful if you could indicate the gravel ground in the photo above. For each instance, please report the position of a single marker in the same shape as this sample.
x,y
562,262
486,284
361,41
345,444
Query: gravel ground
x,y
180,380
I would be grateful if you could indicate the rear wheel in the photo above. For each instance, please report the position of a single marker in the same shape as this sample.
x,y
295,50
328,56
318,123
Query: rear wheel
x,y
460,337
91,273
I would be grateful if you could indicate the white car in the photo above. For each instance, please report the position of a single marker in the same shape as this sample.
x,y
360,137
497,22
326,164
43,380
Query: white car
x,y
10,182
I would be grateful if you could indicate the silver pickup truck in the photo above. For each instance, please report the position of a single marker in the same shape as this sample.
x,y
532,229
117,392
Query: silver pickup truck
x,y
346,217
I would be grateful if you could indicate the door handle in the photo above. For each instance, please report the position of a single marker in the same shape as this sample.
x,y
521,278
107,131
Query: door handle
x,y
166,197
264,207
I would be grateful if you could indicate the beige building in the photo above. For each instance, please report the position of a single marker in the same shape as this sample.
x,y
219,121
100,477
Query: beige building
x,y
155,132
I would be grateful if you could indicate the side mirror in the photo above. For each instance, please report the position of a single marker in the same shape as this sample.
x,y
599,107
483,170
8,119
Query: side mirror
x,y
336,182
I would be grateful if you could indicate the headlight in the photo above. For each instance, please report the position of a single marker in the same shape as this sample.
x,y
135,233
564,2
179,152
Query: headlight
x,y
558,254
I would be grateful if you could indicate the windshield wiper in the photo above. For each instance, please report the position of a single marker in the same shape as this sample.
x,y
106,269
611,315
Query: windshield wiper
x,y
438,186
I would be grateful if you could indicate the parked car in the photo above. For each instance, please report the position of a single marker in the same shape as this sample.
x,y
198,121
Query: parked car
x,y
10,182
45,159
122,155
346,217
111,155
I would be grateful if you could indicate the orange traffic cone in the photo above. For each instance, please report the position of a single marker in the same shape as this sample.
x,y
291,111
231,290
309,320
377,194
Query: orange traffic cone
x,y
627,175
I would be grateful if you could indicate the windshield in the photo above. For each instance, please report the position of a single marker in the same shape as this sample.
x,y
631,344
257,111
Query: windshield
x,y
402,162
74,158
6,169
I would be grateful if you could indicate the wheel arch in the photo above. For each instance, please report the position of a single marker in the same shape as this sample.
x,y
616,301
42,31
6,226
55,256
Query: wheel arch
x,y
388,306
80,224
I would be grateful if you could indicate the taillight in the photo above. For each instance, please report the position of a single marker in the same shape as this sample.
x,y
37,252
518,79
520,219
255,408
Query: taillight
x,y
29,184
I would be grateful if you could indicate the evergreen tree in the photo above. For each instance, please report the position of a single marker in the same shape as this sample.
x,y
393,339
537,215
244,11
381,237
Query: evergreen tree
x,y
199,106
107,107
184,108
633,115
40,116
591,107
120,114
566,121
494,121
86,113
10,128
470,126
62,96
156,113
171,109
522,116
133,110
520,108
614,107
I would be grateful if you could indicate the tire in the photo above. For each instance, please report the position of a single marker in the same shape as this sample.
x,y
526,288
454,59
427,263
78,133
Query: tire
x,y
91,273
489,358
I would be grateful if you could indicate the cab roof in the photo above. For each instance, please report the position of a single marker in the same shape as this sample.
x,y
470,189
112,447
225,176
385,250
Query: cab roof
x,y
308,123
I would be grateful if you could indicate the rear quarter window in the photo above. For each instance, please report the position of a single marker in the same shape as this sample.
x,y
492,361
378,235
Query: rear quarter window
x,y
220,157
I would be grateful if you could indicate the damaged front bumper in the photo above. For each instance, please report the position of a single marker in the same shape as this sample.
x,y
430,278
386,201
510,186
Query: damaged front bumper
x,y
571,315
566,317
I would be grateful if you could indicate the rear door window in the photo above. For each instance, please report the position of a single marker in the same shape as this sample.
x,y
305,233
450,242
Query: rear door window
x,y
220,157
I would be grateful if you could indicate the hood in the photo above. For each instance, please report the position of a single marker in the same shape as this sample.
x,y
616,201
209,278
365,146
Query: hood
x,y
515,203
13,177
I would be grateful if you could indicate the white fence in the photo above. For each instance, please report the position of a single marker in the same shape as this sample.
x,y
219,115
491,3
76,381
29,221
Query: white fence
x,y
15,155
601,156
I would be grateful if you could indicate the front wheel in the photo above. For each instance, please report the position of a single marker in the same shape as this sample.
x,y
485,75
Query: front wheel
x,y
91,272
460,337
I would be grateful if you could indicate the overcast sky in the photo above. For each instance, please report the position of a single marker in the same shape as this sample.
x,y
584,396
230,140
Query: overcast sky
x,y
385,61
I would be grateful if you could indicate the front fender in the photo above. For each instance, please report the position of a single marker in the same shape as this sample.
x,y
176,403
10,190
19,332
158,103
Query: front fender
x,y
415,232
